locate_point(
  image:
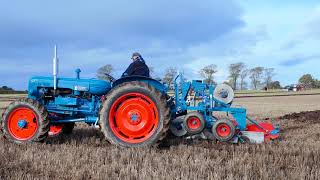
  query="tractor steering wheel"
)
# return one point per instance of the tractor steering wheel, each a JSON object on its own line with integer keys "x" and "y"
{"x": 111, "y": 78}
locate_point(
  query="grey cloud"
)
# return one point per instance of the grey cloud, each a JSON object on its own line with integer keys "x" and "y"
{"x": 298, "y": 60}
{"x": 116, "y": 24}
{"x": 163, "y": 31}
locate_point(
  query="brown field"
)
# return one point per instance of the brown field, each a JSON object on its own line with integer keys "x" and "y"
{"x": 86, "y": 155}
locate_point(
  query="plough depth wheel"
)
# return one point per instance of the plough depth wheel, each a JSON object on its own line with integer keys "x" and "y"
{"x": 223, "y": 130}
{"x": 194, "y": 123}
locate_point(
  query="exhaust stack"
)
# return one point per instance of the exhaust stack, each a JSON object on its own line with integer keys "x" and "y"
{"x": 55, "y": 68}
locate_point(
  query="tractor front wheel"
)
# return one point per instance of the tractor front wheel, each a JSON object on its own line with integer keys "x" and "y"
{"x": 25, "y": 121}
{"x": 135, "y": 114}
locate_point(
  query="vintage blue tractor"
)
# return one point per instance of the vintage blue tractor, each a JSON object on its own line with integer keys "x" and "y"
{"x": 131, "y": 111}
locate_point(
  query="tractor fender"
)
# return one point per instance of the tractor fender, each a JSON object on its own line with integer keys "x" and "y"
{"x": 152, "y": 82}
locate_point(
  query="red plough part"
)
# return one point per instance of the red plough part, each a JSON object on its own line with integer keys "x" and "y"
{"x": 55, "y": 130}
{"x": 268, "y": 130}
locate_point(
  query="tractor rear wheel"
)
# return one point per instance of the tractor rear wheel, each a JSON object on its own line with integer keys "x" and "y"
{"x": 25, "y": 121}
{"x": 135, "y": 114}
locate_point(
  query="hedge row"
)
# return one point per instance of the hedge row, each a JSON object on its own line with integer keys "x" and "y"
{"x": 12, "y": 92}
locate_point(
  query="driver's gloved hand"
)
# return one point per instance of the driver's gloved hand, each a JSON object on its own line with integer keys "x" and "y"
{"x": 124, "y": 75}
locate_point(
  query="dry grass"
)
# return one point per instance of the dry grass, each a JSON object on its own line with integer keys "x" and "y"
{"x": 274, "y": 92}
{"x": 5, "y": 99}
{"x": 278, "y": 106}
{"x": 85, "y": 155}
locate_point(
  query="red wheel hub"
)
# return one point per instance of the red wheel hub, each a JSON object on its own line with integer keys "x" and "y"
{"x": 223, "y": 130}
{"x": 22, "y": 123}
{"x": 194, "y": 123}
{"x": 55, "y": 130}
{"x": 133, "y": 118}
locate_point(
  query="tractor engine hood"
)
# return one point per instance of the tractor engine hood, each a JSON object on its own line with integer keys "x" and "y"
{"x": 93, "y": 86}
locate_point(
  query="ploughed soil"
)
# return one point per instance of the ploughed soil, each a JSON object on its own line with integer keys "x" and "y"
{"x": 307, "y": 117}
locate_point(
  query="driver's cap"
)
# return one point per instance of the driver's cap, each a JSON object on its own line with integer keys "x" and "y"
{"x": 136, "y": 54}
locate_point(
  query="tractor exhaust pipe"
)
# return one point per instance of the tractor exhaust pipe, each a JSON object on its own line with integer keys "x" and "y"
{"x": 55, "y": 68}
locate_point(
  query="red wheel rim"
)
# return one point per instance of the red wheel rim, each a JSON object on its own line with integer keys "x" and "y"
{"x": 55, "y": 129}
{"x": 194, "y": 123}
{"x": 133, "y": 118}
{"x": 223, "y": 130}
{"x": 23, "y": 123}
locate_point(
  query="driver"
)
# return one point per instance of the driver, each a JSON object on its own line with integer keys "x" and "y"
{"x": 138, "y": 67}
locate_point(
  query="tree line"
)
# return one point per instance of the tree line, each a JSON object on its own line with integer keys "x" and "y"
{"x": 259, "y": 77}
{"x": 9, "y": 90}
{"x": 239, "y": 74}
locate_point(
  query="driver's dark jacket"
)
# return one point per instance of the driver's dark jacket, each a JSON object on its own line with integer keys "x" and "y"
{"x": 137, "y": 68}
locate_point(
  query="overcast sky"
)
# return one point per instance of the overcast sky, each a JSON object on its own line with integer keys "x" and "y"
{"x": 284, "y": 35}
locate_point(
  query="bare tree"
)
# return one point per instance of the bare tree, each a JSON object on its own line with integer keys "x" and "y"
{"x": 235, "y": 71}
{"x": 105, "y": 72}
{"x": 208, "y": 73}
{"x": 256, "y": 76}
{"x": 243, "y": 75}
{"x": 169, "y": 76}
{"x": 268, "y": 75}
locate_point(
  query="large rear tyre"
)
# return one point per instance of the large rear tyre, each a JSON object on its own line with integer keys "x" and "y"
{"x": 25, "y": 121}
{"x": 135, "y": 115}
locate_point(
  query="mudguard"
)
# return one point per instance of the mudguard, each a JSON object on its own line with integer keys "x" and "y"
{"x": 152, "y": 82}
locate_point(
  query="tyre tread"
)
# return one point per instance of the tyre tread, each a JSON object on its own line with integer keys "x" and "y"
{"x": 161, "y": 101}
